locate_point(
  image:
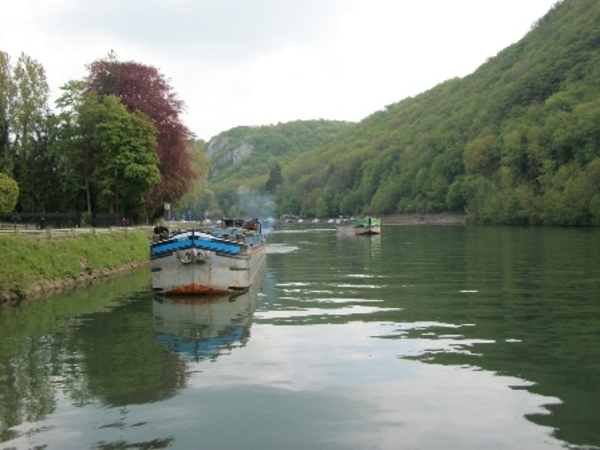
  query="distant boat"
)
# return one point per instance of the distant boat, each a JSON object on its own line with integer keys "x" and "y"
{"x": 365, "y": 226}
{"x": 216, "y": 260}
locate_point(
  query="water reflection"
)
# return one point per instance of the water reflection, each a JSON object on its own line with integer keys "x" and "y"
{"x": 516, "y": 306}
{"x": 65, "y": 358}
{"x": 455, "y": 338}
{"x": 203, "y": 329}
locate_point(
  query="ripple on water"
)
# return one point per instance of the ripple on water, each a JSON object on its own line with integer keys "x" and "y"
{"x": 280, "y": 248}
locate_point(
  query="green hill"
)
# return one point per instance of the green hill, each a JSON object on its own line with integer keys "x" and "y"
{"x": 252, "y": 158}
{"x": 517, "y": 141}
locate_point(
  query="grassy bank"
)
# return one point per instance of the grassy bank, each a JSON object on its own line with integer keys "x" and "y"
{"x": 31, "y": 266}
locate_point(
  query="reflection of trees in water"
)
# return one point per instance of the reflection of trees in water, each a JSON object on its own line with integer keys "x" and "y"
{"x": 120, "y": 371}
{"x": 27, "y": 393}
{"x": 64, "y": 345}
{"x": 533, "y": 317}
{"x": 98, "y": 345}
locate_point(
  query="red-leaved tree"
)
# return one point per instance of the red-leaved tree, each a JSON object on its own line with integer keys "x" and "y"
{"x": 144, "y": 88}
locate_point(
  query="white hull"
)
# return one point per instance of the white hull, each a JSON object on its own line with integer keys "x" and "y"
{"x": 198, "y": 263}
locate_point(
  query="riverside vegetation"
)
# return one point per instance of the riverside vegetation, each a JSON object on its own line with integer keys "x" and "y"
{"x": 32, "y": 267}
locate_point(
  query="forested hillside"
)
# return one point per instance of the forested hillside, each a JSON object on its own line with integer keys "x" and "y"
{"x": 516, "y": 142}
{"x": 252, "y": 159}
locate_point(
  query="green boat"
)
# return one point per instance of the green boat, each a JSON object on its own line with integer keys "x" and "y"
{"x": 365, "y": 226}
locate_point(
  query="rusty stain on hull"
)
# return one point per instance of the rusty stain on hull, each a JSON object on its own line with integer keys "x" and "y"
{"x": 198, "y": 300}
{"x": 195, "y": 289}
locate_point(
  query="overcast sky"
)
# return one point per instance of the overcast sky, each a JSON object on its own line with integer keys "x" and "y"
{"x": 261, "y": 62}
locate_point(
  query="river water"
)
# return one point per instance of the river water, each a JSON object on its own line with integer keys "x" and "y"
{"x": 425, "y": 337}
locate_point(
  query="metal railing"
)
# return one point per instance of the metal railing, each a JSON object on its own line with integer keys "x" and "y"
{"x": 51, "y": 233}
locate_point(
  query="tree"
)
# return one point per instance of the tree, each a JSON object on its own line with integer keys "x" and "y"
{"x": 454, "y": 197}
{"x": 78, "y": 120}
{"x": 9, "y": 193}
{"x": 67, "y": 148}
{"x": 144, "y": 88}
{"x": 112, "y": 151}
{"x": 127, "y": 160}
{"x": 44, "y": 186}
{"x": 480, "y": 155}
{"x": 578, "y": 137}
{"x": 6, "y": 99}
{"x": 23, "y": 110}
{"x": 30, "y": 100}
{"x": 274, "y": 180}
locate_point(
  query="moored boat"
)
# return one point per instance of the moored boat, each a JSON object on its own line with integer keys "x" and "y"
{"x": 216, "y": 260}
{"x": 365, "y": 226}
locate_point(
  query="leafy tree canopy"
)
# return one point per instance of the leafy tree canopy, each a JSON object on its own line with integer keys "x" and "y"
{"x": 9, "y": 193}
{"x": 127, "y": 164}
{"x": 143, "y": 88}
